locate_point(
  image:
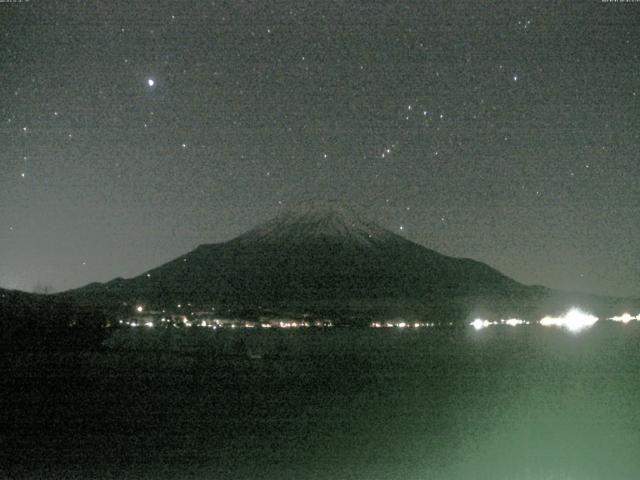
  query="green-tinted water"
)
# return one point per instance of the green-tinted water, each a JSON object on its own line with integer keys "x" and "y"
{"x": 501, "y": 403}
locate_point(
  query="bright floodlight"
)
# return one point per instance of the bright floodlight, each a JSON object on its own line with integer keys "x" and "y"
{"x": 479, "y": 324}
{"x": 573, "y": 320}
{"x": 624, "y": 318}
{"x": 513, "y": 322}
{"x": 139, "y": 309}
{"x": 151, "y": 82}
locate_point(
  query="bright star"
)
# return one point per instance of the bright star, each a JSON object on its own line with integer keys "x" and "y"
{"x": 151, "y": 82}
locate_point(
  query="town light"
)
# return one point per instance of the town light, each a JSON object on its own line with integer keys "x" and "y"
{"x": 574, "y": 320}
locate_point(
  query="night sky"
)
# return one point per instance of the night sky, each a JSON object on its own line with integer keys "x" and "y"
{"x": 508, "y": 132}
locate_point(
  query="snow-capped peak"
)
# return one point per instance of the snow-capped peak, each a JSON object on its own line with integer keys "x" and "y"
{"x": 312, "y": 223}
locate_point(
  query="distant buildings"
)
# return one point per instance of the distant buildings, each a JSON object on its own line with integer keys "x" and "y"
{"x": 206, "y": 319}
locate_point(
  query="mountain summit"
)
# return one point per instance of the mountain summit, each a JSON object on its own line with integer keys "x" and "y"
{"x": 310, "y": 224}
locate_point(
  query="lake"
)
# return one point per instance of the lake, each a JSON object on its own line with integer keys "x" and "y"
{"x": 524, "y": 402}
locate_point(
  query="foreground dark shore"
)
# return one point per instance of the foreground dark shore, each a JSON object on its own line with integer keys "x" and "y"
{"x": 523, "y": 402}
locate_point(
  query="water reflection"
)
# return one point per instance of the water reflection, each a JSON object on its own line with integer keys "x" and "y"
{"x": 322, "y": 404}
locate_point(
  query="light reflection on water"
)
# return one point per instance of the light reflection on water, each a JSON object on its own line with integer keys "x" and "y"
{"x": 504, "y": 403}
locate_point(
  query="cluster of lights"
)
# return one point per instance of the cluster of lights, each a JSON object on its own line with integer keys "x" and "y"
{"x": 184, "y": 321}
{"x": 136, "y": 324}
{"x": 401, "y": 324}
{"x": 514, "y": 322}
{"x": 479, "y": 323}
{"x": 294, "y": 324}
{"x": 625, "y": 318}
{"x": 574, "y": 320}
{"x": 298, "y": 324}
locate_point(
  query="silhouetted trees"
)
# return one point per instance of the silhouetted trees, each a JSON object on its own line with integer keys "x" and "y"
{"x": 44, "y": 322}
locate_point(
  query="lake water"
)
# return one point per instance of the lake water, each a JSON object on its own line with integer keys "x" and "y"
{"x": 501, "y": 403}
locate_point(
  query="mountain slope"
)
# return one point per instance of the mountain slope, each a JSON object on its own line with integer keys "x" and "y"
{"x": 314, "y": 257}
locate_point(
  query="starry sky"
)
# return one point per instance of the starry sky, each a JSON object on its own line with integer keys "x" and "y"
{"x": 507, "y": 132}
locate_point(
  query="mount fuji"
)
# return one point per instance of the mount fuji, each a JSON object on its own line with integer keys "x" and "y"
{"x": 327, "y": 261}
